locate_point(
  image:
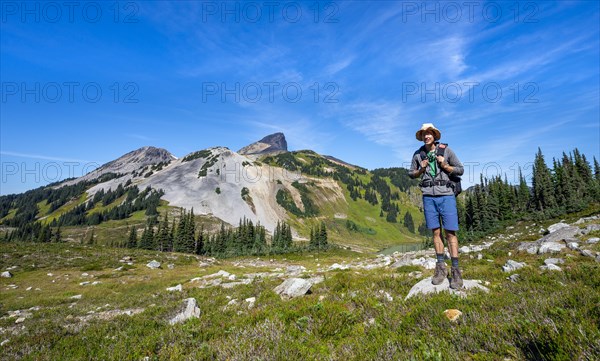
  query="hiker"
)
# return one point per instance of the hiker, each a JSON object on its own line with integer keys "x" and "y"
{"x": 439, "y": 167}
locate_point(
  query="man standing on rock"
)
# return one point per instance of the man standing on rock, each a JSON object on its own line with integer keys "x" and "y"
{"x": 434, "y": 162}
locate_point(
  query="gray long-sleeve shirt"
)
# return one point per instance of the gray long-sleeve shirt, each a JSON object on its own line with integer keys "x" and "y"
{"x": 436, "y": 190}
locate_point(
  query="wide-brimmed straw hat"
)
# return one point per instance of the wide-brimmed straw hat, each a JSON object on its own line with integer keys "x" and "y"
{"x": 428, "y": 126}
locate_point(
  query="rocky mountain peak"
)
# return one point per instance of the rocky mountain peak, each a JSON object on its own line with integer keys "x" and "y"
{"x": 271, "y": 143}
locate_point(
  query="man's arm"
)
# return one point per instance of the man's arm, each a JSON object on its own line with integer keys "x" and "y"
{"x": 451, "y": 164}
{"x": 417, "y": 168}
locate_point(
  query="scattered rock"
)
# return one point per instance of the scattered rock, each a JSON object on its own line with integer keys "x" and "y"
{"x": 425, "y": 287}
{"x": 415, "y": 274}
{"x": 590, "y": 228}
{"x": 550, "y": 247}
{"x": 250, "y": 301}
{"x": 170, "y": 266}
{"x": 573, "y": 246}
{"x": 191, "y": 310}
{"x": 337, "y": 266}
{"x": 514, "y": 277}
{"x": 479, "y": 256}
{"x": 3, "y": 342}
{"x": 512, "y": 266}
{"x": 554, "y": 261}
{"x": 559, "y": 235}
{"x": 427, "y": 263}
{"x": 84, "y": 283}
{"x": 386, "y": 295}
{"x": 555, "y": 227}
{"x": 295, "y": 287}
{"x": 551, "y": 267}
{"x": 464, "y": 249}
{"x": 452, "y": 314}
{"x": 586, "y": 219}
{"x": 20, "y": 320}
{"x": 6, "y": 274}
{"x": 246, "y": 281}
{"x": 593, "y": 240}
{"x": 529, "y": 247}
{"x": 153, "y": 264}
{"x": 586, "y": 253}
{"x": 295, "y": 270}
{"x": 178, "y": 288}
{"x": 76, "y": 297}
{"x": 221, "y": 273}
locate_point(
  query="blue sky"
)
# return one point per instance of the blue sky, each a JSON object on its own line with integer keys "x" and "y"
{"x": 83, "y": 84}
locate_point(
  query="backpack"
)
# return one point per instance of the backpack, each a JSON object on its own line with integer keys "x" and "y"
{"x": 455, "y": 180}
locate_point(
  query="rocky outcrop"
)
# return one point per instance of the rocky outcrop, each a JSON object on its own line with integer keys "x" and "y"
{"x": 270, "y": 144}
{"x": 191, "y": 310}
{"x": 425, "y": 287}
{"x": 296, "y": 287}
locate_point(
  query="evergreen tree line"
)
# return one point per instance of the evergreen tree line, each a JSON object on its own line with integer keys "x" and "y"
{"x": 25, "y": 204}
{"x": 570, "y": 186}
{"x": 33, "y": 232}
{"x": 318, "y": 237}
{"x": 135, "y": 201}
{"x": 247, "y": 239}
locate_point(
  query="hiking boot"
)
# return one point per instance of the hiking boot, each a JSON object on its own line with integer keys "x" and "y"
{"x": 440, "y": 273}
{"x": 456, "y": 281}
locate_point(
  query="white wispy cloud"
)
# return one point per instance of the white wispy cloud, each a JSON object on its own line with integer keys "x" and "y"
{"x": 43, "y": 157}
{"x": 338, "y": 66}
{"x": 139, "y": 136}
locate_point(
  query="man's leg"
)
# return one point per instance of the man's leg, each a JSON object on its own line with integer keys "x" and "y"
{"x": 456, "y": 281}
{"x": 452, "y": 241}
{"x": 441, "y": 272}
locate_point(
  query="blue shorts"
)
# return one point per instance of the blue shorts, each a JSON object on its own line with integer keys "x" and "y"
{"x": 444, "y": 206}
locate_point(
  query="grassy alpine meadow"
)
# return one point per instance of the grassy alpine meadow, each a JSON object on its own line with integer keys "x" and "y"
{"x": 70, "y": 301}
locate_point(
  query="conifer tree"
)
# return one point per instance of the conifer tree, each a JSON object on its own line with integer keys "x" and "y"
{"x": 543, "y": 190}
{"x": 58, "y": 235}
{"x": 408, "y": 222}
{"x": 147, "y": 240}
{"x": 132, "y": 241}
{"x": 163, "y": 235}
{"x": 523, "y": 193}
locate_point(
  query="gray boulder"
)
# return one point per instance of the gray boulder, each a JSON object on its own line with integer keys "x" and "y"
{"x": 6, "y": 274}
{"x": 177, "y": 288}
{"x": 426, "y": 287}
{"x": 514, "y": 277}
{"x": 593, "y": 240}
{"x": 559, "y": 234}
{"x": 590, "y": 227}
{"x": 295, "y": 287}
{"x": 554, "y": 261}
{"x": 555, "y": 227}
{"x": 551, "y": 267}
{"x": 586, "y": 253}
{"x": 191, "y": 310}
{"x": 550, "y": 247}
{"x": 153, "y": 264}
{"x": 512, "y": 266}
{"x": 529, "y": 247}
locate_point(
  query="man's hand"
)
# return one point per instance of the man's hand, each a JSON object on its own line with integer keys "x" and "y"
{"x": 424, "y": 163}
{"x": 440, "y": 159}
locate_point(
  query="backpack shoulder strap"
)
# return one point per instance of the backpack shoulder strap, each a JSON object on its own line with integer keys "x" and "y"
{"x": 441, "y": 149}
{"x": 422, "y": 153}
